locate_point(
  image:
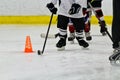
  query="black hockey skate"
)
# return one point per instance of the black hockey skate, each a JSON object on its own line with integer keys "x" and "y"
{"x": 61, "y": 43}
{"x": 103, "y": 32}
{"x": 82, "y": 42}
{"x": 115, "y": 57}
{"x": 88, "y": 36}
{"x": 103, "y": 28}
{"x": 71, "y": 38}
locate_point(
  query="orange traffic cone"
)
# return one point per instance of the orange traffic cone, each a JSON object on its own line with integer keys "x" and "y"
{"x": 28, "y": 45}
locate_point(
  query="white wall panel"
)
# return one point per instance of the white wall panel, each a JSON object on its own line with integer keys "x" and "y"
{"x": 36, "y": 7}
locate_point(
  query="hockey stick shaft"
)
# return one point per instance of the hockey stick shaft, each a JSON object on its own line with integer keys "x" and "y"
{"x": 46, "y": 37}
{"x": 99, "y": 20}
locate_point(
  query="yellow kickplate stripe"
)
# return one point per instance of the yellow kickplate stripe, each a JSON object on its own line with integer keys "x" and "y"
{"x": 108, "y": 20}
{"x": 26, "y": 19}
{"x": 40, "y": 19}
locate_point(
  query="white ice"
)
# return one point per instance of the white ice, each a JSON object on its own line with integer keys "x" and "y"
{"x": 75, "y": 63}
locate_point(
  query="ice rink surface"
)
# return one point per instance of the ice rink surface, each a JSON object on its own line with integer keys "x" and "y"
{"x": 75, "y": 63}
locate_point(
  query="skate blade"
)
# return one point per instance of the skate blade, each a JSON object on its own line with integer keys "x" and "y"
{"x": 115, "y": 63}
{"x": 71, "y": 42}
{"x": 89, "y": 38}
{"x": 61, "y": 49}
{"x": 104, "y": 34}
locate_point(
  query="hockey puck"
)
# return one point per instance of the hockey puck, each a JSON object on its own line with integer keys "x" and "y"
{"x": 39, "y": 52}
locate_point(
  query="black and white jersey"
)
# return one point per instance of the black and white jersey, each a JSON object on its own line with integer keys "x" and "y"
{"x": 65, "y": 5}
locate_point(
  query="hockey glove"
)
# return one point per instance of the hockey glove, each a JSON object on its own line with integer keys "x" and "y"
{"x": 84, "y": 11}
{"x": 75, "y": 8}
{"x": 52, "y": 8}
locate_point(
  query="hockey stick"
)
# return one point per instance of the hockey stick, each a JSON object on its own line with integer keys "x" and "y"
{"x": 42, "y": 35}
{"x": 41, "y": 52}
{"x": 53, "y": 36}
{"x": 99, "y": 20}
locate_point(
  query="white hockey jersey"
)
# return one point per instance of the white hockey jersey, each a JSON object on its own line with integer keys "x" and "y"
{"x": 65, "y": 6}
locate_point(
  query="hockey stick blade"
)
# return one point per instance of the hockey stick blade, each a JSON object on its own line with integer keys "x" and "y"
{"x": 42, "y": 35}
{"x": 39, "y": 52}
{"x": 115, "y": 63}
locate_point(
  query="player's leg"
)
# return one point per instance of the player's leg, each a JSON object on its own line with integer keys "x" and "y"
{"x": 71, "y": 32}
{"x": 99, "y": 13}
{"x": 62, "y": 26}
{"x": 116, "y": 31}
{"x": 79, "y": 28}
{"x": 87, "y": 25}
{"x": 102, "y": 24}
{"x": 116, "y": 53}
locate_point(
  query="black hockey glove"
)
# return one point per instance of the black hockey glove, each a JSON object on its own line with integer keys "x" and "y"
{"x": 84, "y": 11}
{"x": 75, "y": 8}
{"x": 52, "y": 8}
